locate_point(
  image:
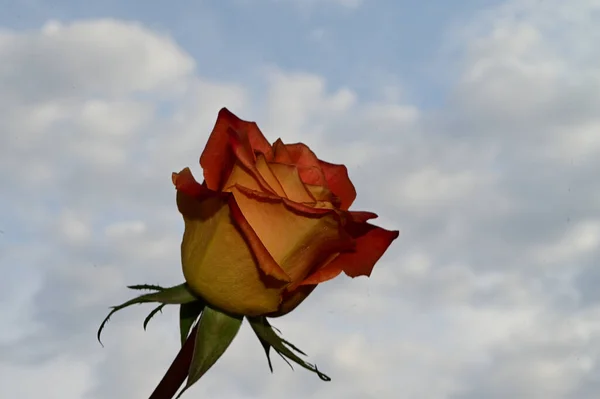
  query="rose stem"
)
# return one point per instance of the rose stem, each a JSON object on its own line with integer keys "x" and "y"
{"x": 178, "y": 372}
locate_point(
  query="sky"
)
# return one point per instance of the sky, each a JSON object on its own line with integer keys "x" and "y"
{"x": 470, "y": 126}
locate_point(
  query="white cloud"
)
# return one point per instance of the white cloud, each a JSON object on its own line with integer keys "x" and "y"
{"x": 578, "y": 240}
{"x": 58, "y": 61}
{"x": 310, "y": 101}
{"x": 73, "y": 227}
{"x": 429, "y": 185}
{"x": 122, "y": 230}
{"x": 62, "y": 378}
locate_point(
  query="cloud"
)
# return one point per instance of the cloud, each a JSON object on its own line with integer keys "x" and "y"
{"x": 490, "y": 290}
{"x": 69, "y": 54}
{"x": 50, "y": 376}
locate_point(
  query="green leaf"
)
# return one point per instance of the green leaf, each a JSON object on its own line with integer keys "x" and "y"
{"x": 151, "y": 314}
{"x": 265, "y": 334}
{"x": 215, "y": 332}
{"x": 173, "y": 295}
{"x": 188, "y": 313}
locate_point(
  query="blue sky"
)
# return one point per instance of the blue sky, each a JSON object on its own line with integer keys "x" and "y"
{"x": 470, "y": 126}
{"x": 356, "y": 46}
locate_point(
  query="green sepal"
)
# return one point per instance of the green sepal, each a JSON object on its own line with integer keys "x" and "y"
{"x": 216, "y": 330}
{"x": 151, "y": 314}
{"x": 176, "y": 295}
{"x": 149, "y": 287}
{"x": 269, "y": 339}
{"x": 188, "y": 314}
{"x": 267, "y": 347}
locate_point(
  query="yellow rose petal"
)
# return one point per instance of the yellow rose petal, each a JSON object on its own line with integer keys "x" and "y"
{"x": 217, "y": 262}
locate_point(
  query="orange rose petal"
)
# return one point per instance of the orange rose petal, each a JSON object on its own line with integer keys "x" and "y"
{"x": 266, "y": 172}
{"x": 303, "y": 210}
{"x": 184, "y": 181}
{"x": 371, "y": 244}
{"x": 339, "y": 183}
{"x": 243, "y": 152}
{"x": 289, "y": 178}
{"x": 324, "y": 196}
{"x": 217, "y": 159}
{"x": 312, "y": 175}
{"x": 308, "y": 164}
{"x": 265, "y": 260}
{"x": 326, "y": 273}
{"x": 298, "y": 240}
{"x": 319, "y": 193}
{"x": 361, "y": 216}
{"x": 302, "y": 155}
{"x": 348, "y": 245}
{"x": 313, "y": 209}
{"x": 291, "y": 299}
{"x": 280, "y": 153}
{"x": 242, "y": 176}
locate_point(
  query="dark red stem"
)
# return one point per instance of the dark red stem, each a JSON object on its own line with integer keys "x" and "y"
{"x": 178, "y": 372}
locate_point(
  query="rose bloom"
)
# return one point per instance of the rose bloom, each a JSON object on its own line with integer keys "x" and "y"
{"x": 269, "y": 222}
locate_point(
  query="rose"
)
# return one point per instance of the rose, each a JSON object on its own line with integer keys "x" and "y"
{"x": 269, "y": 222}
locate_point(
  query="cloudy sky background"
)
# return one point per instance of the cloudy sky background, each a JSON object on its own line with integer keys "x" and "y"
{"x": 471, "y": 126}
